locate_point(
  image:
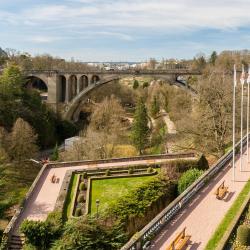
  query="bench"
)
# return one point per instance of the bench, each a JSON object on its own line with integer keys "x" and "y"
{"x": 53, "y": 178}
{"x": 180, "y": 241}
{"x": 221, "y": 191}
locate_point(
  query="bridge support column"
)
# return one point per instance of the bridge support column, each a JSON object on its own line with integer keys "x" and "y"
{"x": 78, "y": 85}
{"x": 67, "y": 89}
{"x": 53, "y": 91}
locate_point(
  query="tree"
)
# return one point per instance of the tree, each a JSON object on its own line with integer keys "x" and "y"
{"x": 22, "y": 141}
{"x": 213, "y": 58}
{"x": 140, "y": 129}
{"x": 89, "y": 233}
{"x": 55, "y": 154}
{"x": 155, "y": 107}
{"x": 208, "y": 126}
{"x": 135, "y": 84}
{"x": 12, "y": 80}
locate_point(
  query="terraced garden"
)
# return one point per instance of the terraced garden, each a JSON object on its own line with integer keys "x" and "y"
{"x": 107, "y": 187}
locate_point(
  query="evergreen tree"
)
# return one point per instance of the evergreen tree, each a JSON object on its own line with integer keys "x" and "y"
{"x": 22, "y": 141}
{"x": 135, "y": 84}
{"x": 155, "y": 107}
{"x": 55, "y": 154}
{"x": 140, "y": 129}
{"x": 213, "y": 57}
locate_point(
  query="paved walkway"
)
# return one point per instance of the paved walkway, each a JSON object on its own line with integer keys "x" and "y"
{"x": 202, "y": 216}
{"x": 45, "y": 194}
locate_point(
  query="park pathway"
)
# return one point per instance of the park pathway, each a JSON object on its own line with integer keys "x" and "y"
{"x": 204, "y": 213}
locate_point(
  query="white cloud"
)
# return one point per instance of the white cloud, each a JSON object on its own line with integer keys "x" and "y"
{"x": 216, "y": 14}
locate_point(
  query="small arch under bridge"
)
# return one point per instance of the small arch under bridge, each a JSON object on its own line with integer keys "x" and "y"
{"x": 67, "y": 89}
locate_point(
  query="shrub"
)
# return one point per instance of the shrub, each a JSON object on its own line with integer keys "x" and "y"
{"x": 202, "y": 163}
{"x": 145, "y": 84}
{"x": 130, "y": 171}
{"x": 85, "y": 175}
{"x": 107, "y": 172}
{"x": 78, "y": 212}
{"x": 188, "y": 178}
{"x": 82, "y": 186}
{"x": 243, "y": 235}
{"x": 37, "y": 233}
{"x": 150, "y": 170}
{"x": 56, "y": 224}
{"x": 135, "y": 84}
{"x": 42, "y": 233}
{"x": 80, "y": 198}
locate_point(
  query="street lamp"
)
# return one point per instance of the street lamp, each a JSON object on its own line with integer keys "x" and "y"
{"x": 97, "y": 206}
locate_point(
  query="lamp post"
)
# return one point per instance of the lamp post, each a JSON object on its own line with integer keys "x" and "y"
{"x": 97, "y": 206}
{"x": 242, "y": 81}
{"x": 234, "y": 90}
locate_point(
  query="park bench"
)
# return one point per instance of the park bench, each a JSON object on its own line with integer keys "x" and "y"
{"x": 221, "y": 191}
{"x": 53, "y": 178}
{"x": 180, "y": 241}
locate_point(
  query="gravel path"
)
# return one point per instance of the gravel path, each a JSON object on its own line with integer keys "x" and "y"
{"x": 202, "y": 216}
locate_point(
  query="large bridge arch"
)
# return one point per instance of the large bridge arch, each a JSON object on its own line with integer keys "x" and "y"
{"x": 36, "y": 82}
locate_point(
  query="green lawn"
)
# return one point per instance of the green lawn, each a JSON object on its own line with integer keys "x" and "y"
{"x": 108, "y": 190}
{"x": 69, "y": 198}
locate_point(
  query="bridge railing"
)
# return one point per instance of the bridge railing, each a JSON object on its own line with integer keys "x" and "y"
{"x": 152, "y": 228}
{"x": 127, "y": 71}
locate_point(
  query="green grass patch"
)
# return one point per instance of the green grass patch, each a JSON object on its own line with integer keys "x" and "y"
{"x": 109, "y": 190}
{"x": 69, "y": 202}
{"x": 223, "y": 226}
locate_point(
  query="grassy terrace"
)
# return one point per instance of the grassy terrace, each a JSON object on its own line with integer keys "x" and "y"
{"x": 108, "y": 190}
{"x": 223, "y": 226}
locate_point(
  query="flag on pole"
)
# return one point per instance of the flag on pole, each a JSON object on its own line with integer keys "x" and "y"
{"x": 235, "y": 76}
{"x": 242, "y": 78}
{"x": 248, "y": 77}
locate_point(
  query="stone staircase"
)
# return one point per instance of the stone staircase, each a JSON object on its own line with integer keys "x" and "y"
{"x": 16, "y": 242}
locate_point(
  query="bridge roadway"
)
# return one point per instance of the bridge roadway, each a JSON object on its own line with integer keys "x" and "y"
{"x": 182, "y": 71}
{"x": 202, "y": 216}
{"x": 45, "y": 194}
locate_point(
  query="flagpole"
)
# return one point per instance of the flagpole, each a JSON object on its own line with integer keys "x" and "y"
{"x": 234, "y": 90}
{"x": 248, "y": 82}
{"x": 242, "y": 80}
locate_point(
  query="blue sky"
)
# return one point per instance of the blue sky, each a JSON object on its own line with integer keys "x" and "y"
{"x": 124, "y": 30}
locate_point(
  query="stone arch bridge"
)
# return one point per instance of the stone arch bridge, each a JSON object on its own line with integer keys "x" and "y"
{"x": 67, "y": 90}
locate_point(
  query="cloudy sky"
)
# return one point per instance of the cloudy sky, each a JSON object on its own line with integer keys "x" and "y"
{"x": 124, "y": 30}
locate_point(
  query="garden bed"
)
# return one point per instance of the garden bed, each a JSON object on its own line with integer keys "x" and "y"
{"x": 82, "y": 195}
